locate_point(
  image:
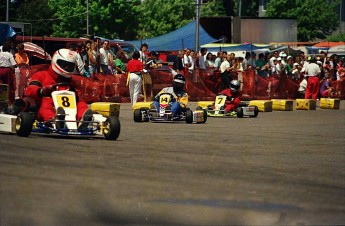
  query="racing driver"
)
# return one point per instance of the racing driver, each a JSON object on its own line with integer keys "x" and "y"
{"x": 179, "y": 103}
{"x": 233, "y": 97}
{"x": 40, "y": 86}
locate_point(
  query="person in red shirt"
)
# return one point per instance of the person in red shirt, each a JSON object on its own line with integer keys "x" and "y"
{"x": 233, "y": 99}
{"x": 40, "y": 86}
{"x": 135, "y": 70}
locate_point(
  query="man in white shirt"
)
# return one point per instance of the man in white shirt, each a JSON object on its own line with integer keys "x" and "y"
{"x": 202, "y": 57}
{"x": 104, "y": 57}
{"x": 188, "y": 61}
{"x": 313, "y": 70}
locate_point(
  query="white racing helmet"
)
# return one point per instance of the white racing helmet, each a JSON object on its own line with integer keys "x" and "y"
{"x": 64, "y": 62}
{"x": 235, "y": 85}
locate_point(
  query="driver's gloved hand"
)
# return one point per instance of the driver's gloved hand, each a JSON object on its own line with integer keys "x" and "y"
{"x": 46, "y": 91}
{"x": 228, "y": 98}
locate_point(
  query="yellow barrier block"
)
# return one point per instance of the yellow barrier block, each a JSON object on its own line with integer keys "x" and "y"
{"x": 205, "y": 104}
{"x": 329, "y": 103}
{"x": 106, "y": 108}
{"x": 282, "y": 105}
{"x": 139, "y": 105}
{"x": 305, "y": 104}
{"x": 263, "y": 105}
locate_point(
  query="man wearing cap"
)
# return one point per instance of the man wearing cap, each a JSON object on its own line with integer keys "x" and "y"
{"x": 313, "y": 71}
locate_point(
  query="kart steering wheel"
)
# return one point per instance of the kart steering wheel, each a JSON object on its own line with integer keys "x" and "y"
{"x": 71, "y": 87}
{"x": 172, "y": 97}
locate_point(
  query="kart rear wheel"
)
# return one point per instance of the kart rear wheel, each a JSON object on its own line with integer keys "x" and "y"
{"x": 24, "y": 124}
{"x": 112, "y": 128}
{"x": 239, "y": 112}
{"x": 256, "y": 112}
{"x": 189, "y": 116}
{"x": 138, "y": 116}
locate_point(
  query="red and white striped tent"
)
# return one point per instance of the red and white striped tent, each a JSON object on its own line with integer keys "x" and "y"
{"x": 36, "y": 50}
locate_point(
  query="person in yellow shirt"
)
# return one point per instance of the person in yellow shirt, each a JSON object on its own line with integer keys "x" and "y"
{"x": 22, "y": 61}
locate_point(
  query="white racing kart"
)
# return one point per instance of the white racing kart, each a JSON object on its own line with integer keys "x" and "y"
{"x": 165, "y": 115}
{"x": 65, "y": 123}
{"x": 216, "y": 108}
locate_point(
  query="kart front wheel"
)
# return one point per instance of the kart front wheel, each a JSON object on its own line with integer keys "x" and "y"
{"x": 189, "y": 116}
{"x": 24, "y": 124}
{"x": 138, "y": 116}
{"x": 112, "y": 128}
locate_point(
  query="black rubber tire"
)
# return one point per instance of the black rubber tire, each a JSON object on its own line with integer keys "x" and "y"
{"x": 138, "y": 117}
{"x": 239, "y": 112}
{"x": 205, "y": 116}
{"x": 113, "y": 128}
{"x": 189, "y": 116}
{"x": 24, "y": 123}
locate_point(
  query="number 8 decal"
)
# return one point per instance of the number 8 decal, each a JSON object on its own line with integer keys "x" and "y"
{"x": 65, "y": 102}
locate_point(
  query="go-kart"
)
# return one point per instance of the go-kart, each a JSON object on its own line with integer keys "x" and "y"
{"x": 164, "y": 114}
{"x": 216, "y": 109}
{"x": 65, "y": 122}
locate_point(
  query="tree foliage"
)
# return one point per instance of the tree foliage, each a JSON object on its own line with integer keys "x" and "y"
{"x": 315, "y": 18}
{"x": 159, "y": 17}
{"x": 107, "y": 18}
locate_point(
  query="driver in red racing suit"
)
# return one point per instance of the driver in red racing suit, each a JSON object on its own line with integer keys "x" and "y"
{"x": 233, "y": 99}
{"x": 63, "y": 65}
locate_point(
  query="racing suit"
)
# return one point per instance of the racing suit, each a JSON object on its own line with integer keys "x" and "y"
{"x": 43, "y": 79}
{"x": 233, "y": 99}
{"x": 178, "y": 104}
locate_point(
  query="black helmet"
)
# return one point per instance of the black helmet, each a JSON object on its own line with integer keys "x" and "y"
{"x": 235, "y": 85}
{"x": 179, "y": 81}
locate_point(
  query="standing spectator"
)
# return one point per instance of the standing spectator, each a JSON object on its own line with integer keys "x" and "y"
{"x": 178, "y": 63}
{"x": 262, "y": 66}
{"x": 119, "y": 62}
{"x": 202, "y": 65}
{"x": 340, "y": 70}
{"x": 104, "y": 57}
{"x": 188, "y": 60}
{"x": 296, "y": 72}
{"x": 218, "y": 60}
{"x": 143, "y": 50}
{"x": 22, "y": 61}
{"x": 135, "y": 68}
{"x": 252, "y": 61}
{"x": 289, "y": 66}
{"x": 209, "y": 62}
{"x": 7, "y": 64}
{"x": 225, "y": 72}
{"x": 274, "y": 57}
{"x": 313, "y": 71}
{"x": 85, "y": 58}
{"x": 91, "y": 50}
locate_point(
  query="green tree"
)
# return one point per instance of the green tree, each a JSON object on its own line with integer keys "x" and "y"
{"x": 107, "y": 18}
{"x": 315, "y": 18}
{"x": 159, "y": 17}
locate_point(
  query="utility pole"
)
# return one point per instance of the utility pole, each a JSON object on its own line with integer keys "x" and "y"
{"x": 7, "y": 10}
{"x": 197, "y": 23}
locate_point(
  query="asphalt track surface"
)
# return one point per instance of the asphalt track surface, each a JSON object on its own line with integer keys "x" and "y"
{"x": 281, "y": 168}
